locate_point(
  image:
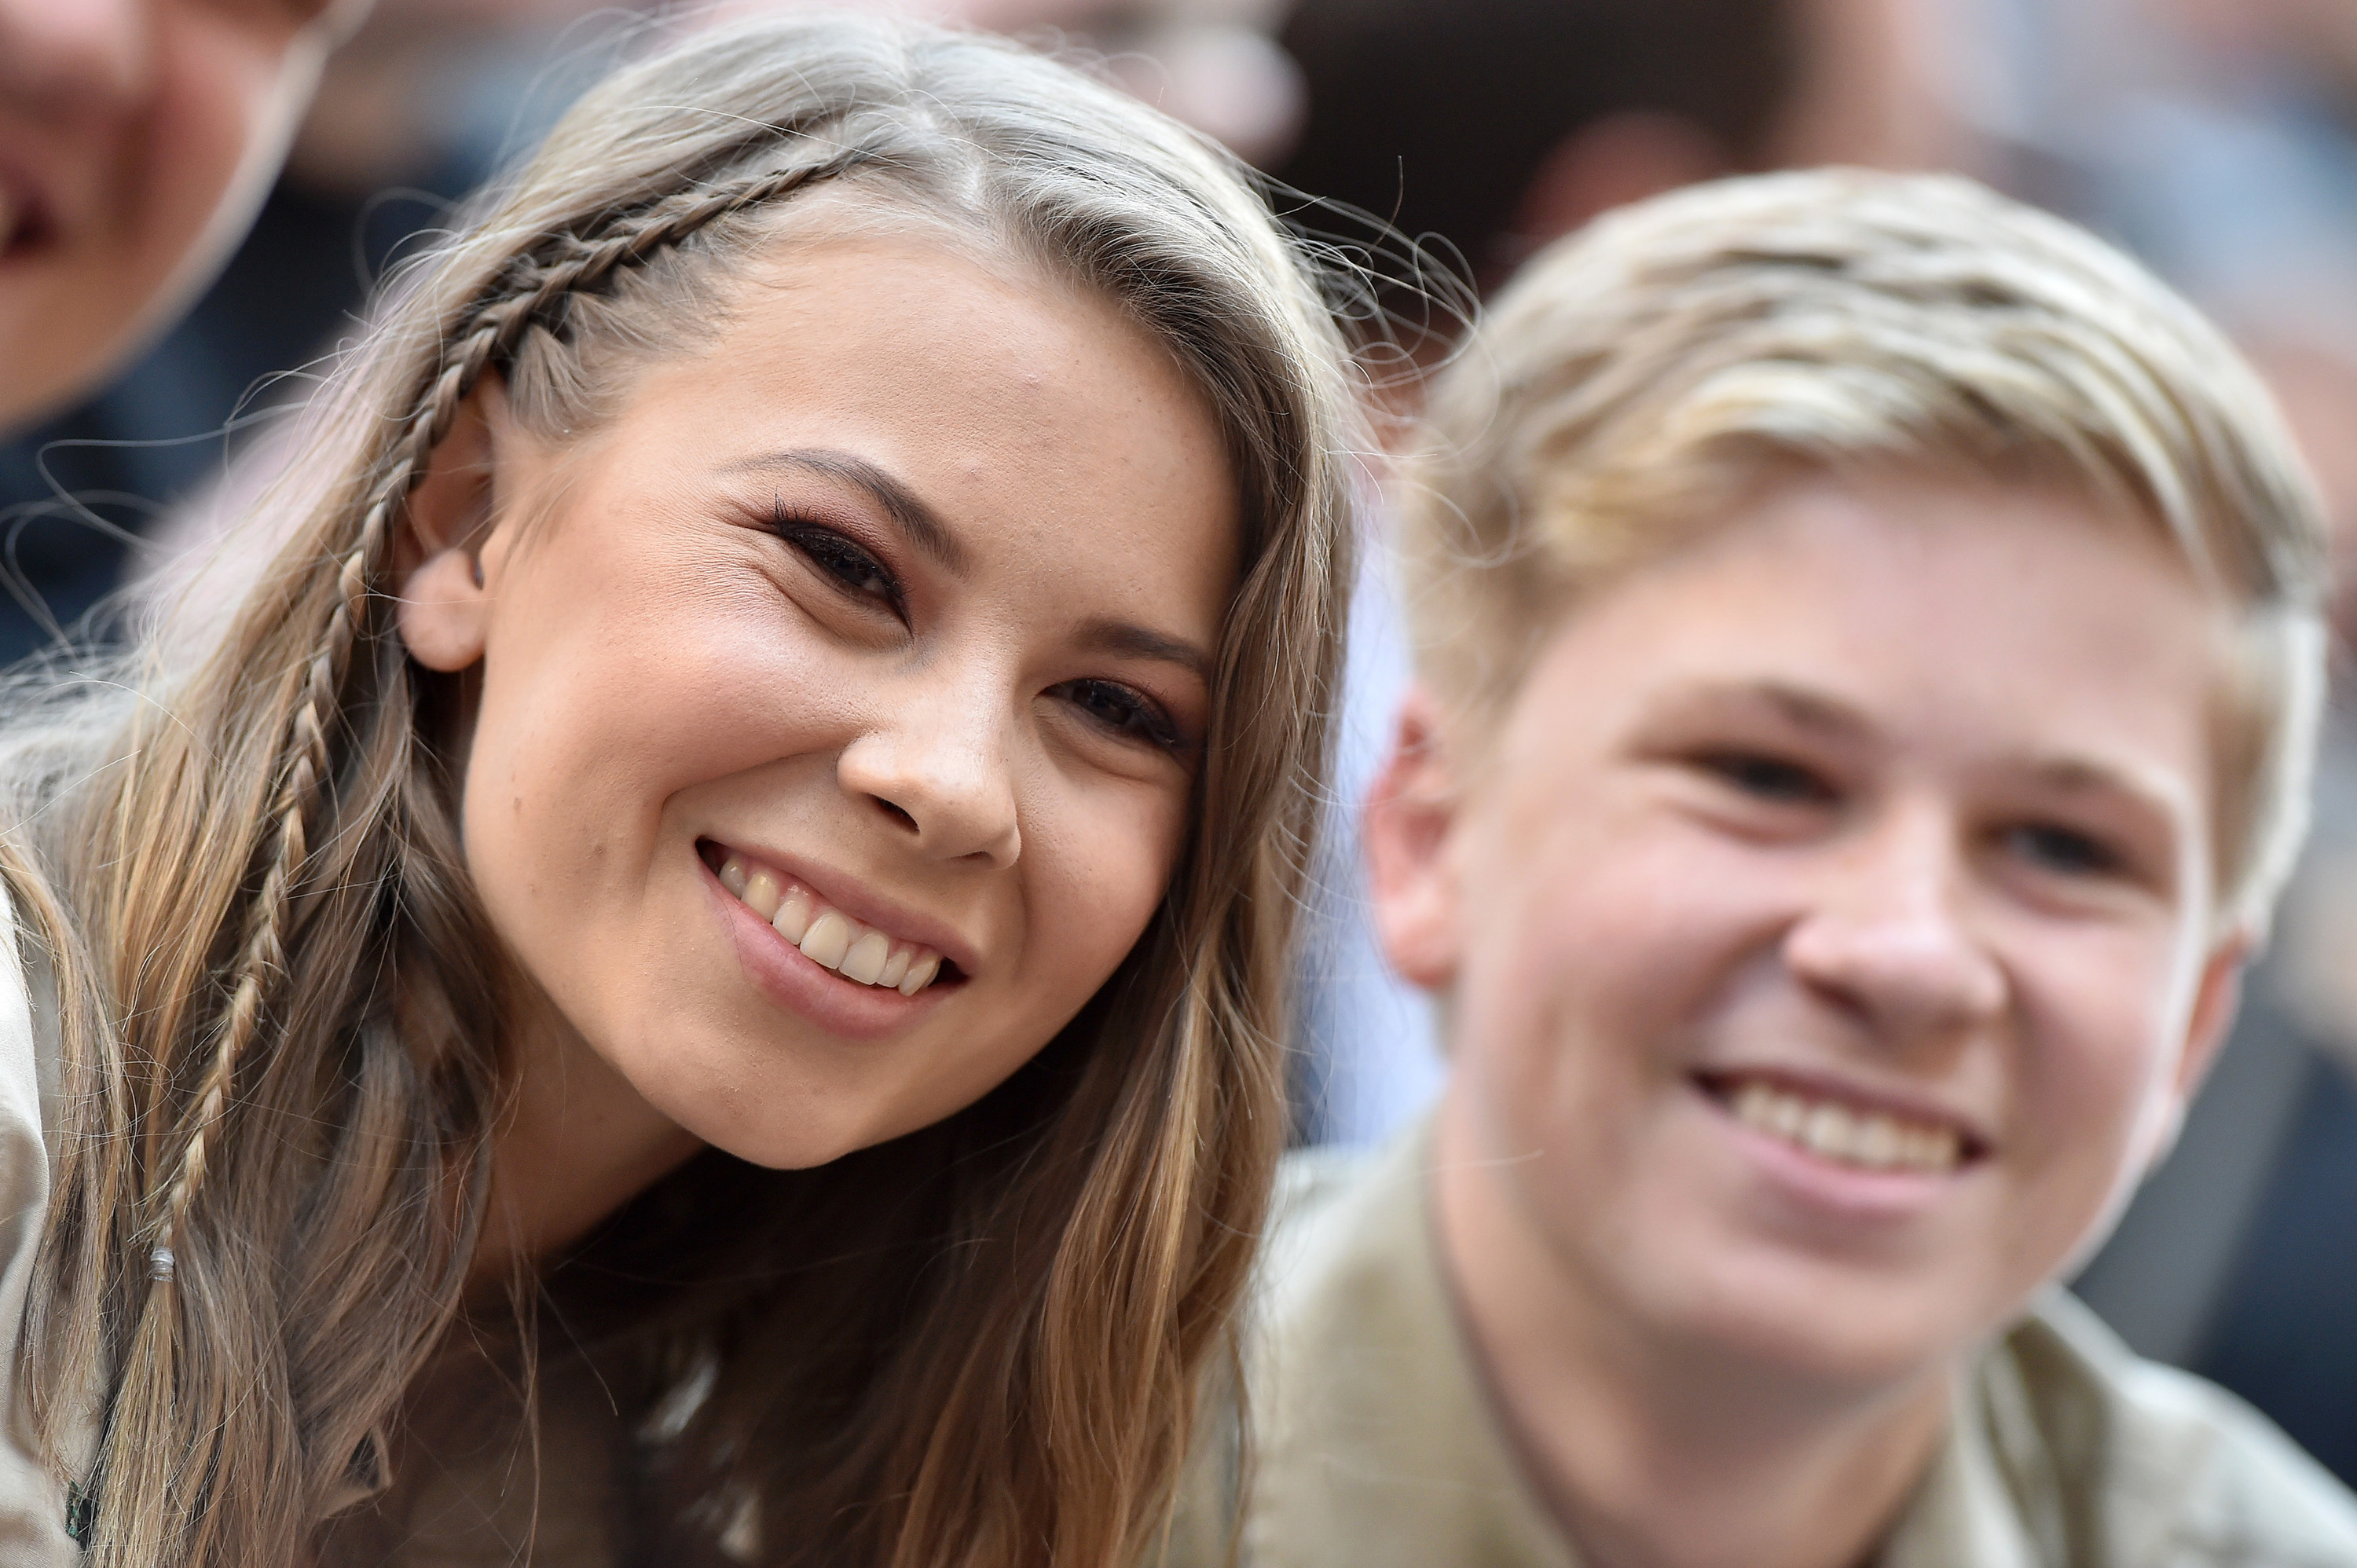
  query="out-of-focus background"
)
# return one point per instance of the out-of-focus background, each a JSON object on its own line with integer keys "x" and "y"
{"x": 2217, "y": 139}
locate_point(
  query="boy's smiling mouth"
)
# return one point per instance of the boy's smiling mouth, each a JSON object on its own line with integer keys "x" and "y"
{"x": 1840, "y": 1129}
{"x": 855, "y": 951}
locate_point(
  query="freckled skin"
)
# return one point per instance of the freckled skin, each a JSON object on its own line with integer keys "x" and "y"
{"x": 661, "y": 667}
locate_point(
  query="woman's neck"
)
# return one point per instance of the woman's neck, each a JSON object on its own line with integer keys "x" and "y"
{"x": 1652, "y": 1455}
{"x": 576, "y": 1144}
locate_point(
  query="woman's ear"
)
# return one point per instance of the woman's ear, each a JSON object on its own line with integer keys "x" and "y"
{"x": 438, "y": 558}
{"x": 1405, "y": 832}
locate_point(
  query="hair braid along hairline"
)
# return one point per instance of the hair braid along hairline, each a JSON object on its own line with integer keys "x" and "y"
{"x": 496, "y": 324}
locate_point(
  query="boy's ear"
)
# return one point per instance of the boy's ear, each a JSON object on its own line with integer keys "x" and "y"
{"x": 438, "y": 557}
{"x": 1405, "y": 832}
{"x": 2215, "y": 1004}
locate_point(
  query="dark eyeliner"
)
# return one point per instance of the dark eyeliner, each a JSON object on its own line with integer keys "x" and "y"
{"x": 1152, "y": 725}
{"x": 837, "y": 555}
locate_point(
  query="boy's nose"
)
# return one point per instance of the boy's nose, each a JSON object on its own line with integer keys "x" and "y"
{"x": 75, "y": 56}
{"x": 939, "y": 772}
{"x": 1886, "y": 938}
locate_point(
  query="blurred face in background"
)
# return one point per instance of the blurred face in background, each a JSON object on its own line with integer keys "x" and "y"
{"x": 136, "y": 138}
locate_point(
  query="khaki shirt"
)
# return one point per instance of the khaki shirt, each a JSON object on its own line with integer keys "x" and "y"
{"x": 1374, "y": 1446}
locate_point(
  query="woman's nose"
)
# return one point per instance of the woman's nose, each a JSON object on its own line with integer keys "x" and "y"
{"x": 941, "y": 773}
{"x": 71, "y": 57}
{"x": 1888, "y": 938}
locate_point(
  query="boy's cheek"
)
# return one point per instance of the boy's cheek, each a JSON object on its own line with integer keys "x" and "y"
{"x": 2090, "y": 1105}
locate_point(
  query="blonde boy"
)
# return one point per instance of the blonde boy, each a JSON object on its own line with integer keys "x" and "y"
{"x": 1868, "y": 658}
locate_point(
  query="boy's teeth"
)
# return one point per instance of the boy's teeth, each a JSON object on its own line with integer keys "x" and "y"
{"x": 830, "y": 937}
{"x": 1872, "y": 1139}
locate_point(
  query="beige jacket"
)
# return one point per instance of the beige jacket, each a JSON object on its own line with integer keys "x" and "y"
{"x": 1373, "y": 1446}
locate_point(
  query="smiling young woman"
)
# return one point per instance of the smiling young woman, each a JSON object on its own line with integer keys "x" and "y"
{"x": 727, "y": 831}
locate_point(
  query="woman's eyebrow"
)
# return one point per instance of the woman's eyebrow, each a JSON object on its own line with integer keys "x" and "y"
{"x": 1143, "y": 642}
{"x": 919, "y": 522}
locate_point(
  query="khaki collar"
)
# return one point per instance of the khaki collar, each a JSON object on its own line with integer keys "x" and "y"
{"x": 1376, "y": 1441}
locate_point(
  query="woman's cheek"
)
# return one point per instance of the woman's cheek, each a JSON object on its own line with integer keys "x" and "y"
{"x": 1106, "y": 875}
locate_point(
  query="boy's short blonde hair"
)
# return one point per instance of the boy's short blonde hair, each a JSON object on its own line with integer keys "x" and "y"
{"x": 1638, "y": 380}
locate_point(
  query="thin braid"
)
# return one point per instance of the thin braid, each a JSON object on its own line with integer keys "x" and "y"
{"x": 529, "y": 290}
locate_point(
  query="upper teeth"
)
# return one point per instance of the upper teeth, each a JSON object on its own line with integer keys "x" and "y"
{"x": 1871, "y": 1138}
{"x": 826, "y": 935}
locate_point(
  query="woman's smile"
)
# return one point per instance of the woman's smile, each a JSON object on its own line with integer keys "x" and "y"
{"x": 848, "y": 977}
{"x": 822, "y": 931}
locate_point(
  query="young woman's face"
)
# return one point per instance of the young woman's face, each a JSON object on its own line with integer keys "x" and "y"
{"x": 1830, "y": 934}
{"x": 886, "y": 620}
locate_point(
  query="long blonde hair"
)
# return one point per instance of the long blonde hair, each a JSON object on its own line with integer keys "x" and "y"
{"x": 279, "y": 993}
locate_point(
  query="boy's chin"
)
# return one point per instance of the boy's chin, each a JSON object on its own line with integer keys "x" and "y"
{"x": 1843, "y": 1327}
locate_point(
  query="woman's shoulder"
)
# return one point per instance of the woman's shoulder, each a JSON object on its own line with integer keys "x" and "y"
{"x": 2174, "y": 1468}
{"x": 32, "y": 1497}
{"x": 28, "y": 1040}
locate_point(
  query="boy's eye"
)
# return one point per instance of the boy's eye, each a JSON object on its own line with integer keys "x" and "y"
{"x": 2064, "y": 850}
{"x": 849, "y": 565}
{"x": 1766, "y": 778}
{"x": 1129, "y": 713}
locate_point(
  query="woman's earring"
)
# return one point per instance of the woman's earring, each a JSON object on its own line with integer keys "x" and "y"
{"x": 478, "y": 570}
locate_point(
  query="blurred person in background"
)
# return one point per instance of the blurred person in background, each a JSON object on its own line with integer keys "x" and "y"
{"x": 1496, "y": 126}
{"x": 136, "y": 138}
{"x": 1492, "y": 125}
{"x": 415, "y": 108}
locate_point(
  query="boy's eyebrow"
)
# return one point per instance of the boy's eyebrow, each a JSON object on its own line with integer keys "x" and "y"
{"x": 919, "y": 522}
{"x": 1807, "y": 709}
{"x": 2083, "y": 775}
{"x": 1143, "y": 642}
{"x": 2071, "y": 773}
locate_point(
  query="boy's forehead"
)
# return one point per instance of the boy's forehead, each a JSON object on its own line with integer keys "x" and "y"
{"x": 1949, "y": 612}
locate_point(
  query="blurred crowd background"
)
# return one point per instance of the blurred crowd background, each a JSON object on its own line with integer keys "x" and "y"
{"x": 2217, "y": 139}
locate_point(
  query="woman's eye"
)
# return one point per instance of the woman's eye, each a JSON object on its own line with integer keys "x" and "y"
{"x": 2064, "y": 850}
{"x": 851, "y": 567}
{"x": 1766, "y": 778}
{"x": 1126, "y": 713}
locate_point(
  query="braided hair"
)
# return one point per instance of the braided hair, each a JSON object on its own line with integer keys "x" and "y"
{"x": 281, "y": 1003}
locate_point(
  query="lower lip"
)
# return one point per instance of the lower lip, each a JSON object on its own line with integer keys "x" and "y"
{"x": 23, "y": 239}
{"x": 809, "y": 989}
{"x": 1828, "y": 1187}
